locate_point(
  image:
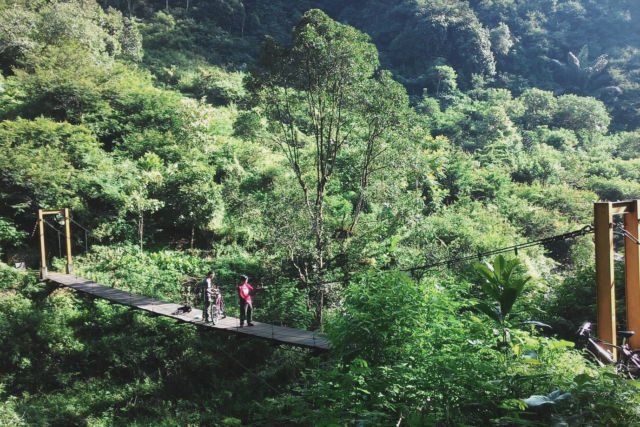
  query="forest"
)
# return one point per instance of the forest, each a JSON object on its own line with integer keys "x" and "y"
{"x": 347, "y": 156}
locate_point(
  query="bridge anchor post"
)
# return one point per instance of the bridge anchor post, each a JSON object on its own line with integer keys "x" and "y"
{"x": 43, "y": 255}
{"x": 67, "y": 232}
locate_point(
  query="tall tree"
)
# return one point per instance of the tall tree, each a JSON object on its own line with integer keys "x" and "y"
{"x": 139, "y": 201}
{"x": 325, "y": 97}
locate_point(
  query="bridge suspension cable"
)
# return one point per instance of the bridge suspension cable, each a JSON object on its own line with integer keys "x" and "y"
{"x": 87, "y": 232}
{"x": 587, "y": 229}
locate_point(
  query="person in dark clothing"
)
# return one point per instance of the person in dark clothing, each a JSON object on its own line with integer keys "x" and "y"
{"x": 245, "y": 293}
{"x": 207, "y": 291}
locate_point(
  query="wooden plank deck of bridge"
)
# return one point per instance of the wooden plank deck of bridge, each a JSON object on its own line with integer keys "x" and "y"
{"x": 281, "y": 334}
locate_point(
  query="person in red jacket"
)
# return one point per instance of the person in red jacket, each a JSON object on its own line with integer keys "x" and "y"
{"x": 245, "y": 292}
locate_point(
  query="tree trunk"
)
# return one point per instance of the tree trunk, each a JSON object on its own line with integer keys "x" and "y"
{"x": 319, "y": 306}
{"x": 320, "y": 248}
{"x": 193, "y": 232}
{"x": 141, "y": 229}
{"x": 243, "y": 21}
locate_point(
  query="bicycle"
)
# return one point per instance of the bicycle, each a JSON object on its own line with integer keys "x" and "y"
{"x": 628, "y": 363}
{"x": 217, "y": 308}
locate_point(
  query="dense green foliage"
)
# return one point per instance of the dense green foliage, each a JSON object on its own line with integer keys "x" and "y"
{"x": 360, "y": 141}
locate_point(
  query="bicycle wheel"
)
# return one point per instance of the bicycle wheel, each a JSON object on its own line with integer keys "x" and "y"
{"x": 215, "y": 314}
{"x": 632, "y": 366}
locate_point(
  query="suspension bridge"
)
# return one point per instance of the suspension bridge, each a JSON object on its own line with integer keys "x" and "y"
{"x": 603, "y": 228}
{"x": 278, "y": 334}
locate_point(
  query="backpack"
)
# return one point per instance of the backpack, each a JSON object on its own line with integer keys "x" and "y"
{"x": 182, "y": 310}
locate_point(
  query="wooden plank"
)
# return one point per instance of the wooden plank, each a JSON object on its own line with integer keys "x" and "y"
{"x": 623, "y": 207}
{"x": 53, "y": 212}
{"x": 619, "y": 210}
{"x": 627, "y": 204}
{"x": 606, "y": 308}
{"x": 632, "y": 274}
{"x": 280, "y": 334}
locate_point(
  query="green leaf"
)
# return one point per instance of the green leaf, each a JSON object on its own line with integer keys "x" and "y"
{"x": 491, "y": 311}
{"x": 537, "y": 400}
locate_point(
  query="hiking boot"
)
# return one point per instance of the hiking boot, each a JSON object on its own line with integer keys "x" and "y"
{"x": 249, "y": 324}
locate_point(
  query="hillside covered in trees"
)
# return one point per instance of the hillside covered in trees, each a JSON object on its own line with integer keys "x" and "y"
{"x": 344, "y": 155}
